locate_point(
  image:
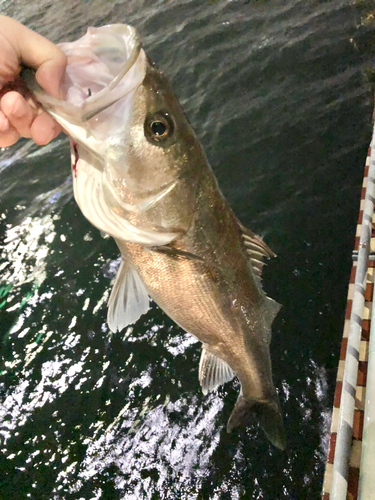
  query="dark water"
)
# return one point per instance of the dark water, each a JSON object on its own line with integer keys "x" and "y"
{"x": 277, "y": 93}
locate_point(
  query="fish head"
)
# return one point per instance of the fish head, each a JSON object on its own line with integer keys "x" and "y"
{"x": 135, "y": 157}
{"x": 161, "y": 146}
{"x": 162, "y": 160}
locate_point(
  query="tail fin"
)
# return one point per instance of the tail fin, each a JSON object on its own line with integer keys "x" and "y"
{"x": 268, "y": 414}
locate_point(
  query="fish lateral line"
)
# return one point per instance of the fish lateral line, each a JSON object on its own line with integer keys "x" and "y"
{"x": 176, "y": 253}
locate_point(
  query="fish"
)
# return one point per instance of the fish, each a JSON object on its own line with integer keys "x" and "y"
{"x": 141, "y": 176}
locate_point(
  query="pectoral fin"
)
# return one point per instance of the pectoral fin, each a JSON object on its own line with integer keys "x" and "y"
{"x": 128, "y": 300}
{"x": 213, "y": 371}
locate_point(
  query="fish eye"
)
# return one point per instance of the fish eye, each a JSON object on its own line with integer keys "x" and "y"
{"x": 158, "y": 127}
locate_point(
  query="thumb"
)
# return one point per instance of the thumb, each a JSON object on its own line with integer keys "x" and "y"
{"x": 50, "y": 75}
{"x": 36, "y": 51}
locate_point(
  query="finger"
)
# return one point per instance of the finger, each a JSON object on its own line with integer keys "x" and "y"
{"x": 36, "y": 51}
{"x": 19, "y": 112}
{"x": 44, "y": 129}
{"x": 9, "y": 136}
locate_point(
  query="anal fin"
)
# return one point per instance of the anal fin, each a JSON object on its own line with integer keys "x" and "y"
{"x": 128, "y": 300}
{"x": 213, "y": 371}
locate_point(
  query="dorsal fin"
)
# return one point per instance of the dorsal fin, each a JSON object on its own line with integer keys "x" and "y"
{"x": 256, "y": 249}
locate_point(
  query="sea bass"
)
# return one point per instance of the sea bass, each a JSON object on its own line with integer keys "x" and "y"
{"x": 141, "y": 176}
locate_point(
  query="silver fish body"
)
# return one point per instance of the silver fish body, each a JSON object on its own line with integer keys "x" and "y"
{"x": 141, "y": 175}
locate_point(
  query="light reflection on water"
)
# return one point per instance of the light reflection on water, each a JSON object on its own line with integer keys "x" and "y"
{"x": 25, "y": 250}
{"x": 144, "y": 451}
{"x": 144, "y": 431}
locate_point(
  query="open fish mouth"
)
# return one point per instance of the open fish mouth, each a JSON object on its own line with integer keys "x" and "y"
{"x": 105, "y": 66}
{"x": 124, "y": 82}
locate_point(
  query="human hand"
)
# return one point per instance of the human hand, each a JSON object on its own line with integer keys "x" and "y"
{"x": 20, "y": 116}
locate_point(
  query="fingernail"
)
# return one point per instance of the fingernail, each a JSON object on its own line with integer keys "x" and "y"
{"x": 19, "y": 111}
{"x": 51, "y": 77}
{"x": 53, "y": 132}
{"x": 50, "y": 135}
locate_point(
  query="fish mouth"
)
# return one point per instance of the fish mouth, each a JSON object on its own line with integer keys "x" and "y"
{"x": 129, "y": 43}
{"x": 104, "y": 66}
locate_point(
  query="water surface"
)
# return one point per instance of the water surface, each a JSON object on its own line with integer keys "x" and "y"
{"x": 278, "y": 95}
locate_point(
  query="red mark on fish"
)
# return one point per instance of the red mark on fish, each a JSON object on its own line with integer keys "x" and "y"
{"x": 74, "y": 165}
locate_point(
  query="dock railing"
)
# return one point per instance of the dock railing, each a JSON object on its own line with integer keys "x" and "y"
{"x": 347, "y": 405}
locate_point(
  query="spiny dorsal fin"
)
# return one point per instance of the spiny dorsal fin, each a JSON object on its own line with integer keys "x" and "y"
{"x": 213, "y": 371}
{"x": 256, "y": 249}
{"x": 128, "y": 300}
